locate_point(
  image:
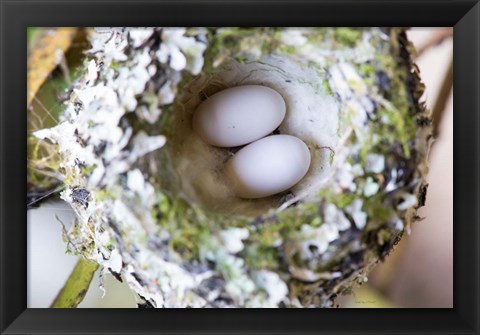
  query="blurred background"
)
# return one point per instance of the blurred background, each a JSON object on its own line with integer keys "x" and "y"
{"x": 418, "y": 273}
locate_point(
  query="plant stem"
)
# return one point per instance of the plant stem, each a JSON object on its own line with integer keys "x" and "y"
{"x": 76, "y": 285}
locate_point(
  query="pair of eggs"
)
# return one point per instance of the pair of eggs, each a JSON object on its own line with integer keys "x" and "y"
{"x": 245, "y": 115}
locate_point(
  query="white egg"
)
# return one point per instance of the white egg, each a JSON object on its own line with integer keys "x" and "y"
{"x": 268, "y": 166}
{"x": 239, "y": 115}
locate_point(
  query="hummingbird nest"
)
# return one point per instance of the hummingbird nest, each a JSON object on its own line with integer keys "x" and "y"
{"x": 152, "y": 207}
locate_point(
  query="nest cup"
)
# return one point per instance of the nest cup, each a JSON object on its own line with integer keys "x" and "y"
{"x": 311, "y": 115}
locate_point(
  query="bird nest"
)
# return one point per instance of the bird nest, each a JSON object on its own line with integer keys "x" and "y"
{"x": 152, "y": 204}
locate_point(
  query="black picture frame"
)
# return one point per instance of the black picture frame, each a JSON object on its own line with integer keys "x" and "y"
{"x": 17, "y": 15}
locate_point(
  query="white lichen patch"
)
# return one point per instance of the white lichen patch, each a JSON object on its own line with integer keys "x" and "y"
{"x": 232, "y": 239}
{"x": 370, "y": 188}
{"x": 319, "y": 237}
{"x": 375, "y": 163}
{"x": 273, "y": 286}
{"x": 335, "y": 217}
{"x": 357, "y": 213}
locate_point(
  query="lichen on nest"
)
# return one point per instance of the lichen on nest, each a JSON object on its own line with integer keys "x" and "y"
{"x": 151, "y": 211}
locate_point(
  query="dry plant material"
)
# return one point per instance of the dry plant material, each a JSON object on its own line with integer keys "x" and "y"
{"x": 45, "y": 56}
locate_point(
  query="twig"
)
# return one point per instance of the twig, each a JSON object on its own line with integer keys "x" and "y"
{"x": 434, "y": 40}
{"x": 76, "y": 285}
{"x": 443, "y": 95}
